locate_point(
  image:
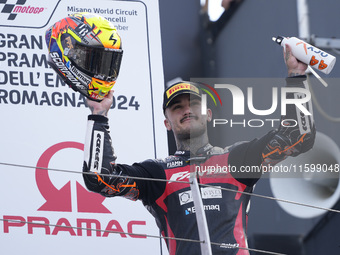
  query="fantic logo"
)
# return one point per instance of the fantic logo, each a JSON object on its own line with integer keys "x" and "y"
{"x": 13, "y": 9}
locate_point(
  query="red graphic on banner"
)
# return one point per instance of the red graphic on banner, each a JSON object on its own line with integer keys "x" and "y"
{"x": 90, "y": 202}
{"x": 60, "y": 199}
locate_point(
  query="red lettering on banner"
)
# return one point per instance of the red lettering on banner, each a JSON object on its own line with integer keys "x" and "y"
{"x": 117, "y": 229}
{"x": 13, "y": 221}
{"x": 64, "y": 225}
{"x": 88, "y": 225}
{"x": 67, "y": 228}
{"x": 135, "y": 222}
{"x": 43, "y": 224}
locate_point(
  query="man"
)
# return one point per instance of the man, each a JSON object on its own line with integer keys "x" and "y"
{"x": 171, "y": 202}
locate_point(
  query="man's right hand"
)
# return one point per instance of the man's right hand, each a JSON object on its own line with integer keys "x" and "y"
{"x": 103, "y": 107}
{"x": 294, "y": 66}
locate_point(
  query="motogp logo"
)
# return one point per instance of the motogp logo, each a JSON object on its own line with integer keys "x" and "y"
{"x": 13, "y": 9}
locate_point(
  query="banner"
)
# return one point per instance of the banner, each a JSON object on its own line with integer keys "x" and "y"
{"x": 44, "y": 124}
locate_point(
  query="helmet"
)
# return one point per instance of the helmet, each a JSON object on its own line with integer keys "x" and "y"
{"x": 86, "y": 51}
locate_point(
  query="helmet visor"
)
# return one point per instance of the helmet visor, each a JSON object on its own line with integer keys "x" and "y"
{"x": 99, "y": 62}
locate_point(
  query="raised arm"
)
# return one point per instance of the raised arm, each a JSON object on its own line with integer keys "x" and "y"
{"x": 100, "y": 173}
{"x": 297, "y": 135}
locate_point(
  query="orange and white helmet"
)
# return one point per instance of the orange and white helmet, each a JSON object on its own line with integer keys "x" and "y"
{"x": 86, "y": 51}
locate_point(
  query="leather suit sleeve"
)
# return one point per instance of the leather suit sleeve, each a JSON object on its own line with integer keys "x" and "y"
{"x": 295, "y": 136}
{"x": 99, "y": 172}
{"x": 102, "y": 175}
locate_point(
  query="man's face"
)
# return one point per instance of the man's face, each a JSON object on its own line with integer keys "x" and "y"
{"x": 184, "y": 117}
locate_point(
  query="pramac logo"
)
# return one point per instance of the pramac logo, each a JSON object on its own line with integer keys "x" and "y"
{"x": 60, "y": 199}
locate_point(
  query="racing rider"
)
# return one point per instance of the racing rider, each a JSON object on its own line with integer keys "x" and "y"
{"x": 171, "y": 202}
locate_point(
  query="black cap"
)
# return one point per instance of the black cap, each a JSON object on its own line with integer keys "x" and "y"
{"x": 179, "y": 88}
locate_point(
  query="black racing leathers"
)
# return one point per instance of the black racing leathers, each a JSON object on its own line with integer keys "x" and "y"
{"x": 218, "y": 172}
